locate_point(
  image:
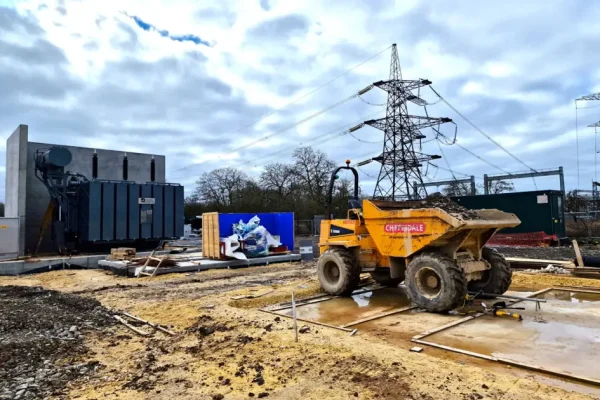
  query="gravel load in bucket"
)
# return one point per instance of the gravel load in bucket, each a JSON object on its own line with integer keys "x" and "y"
{"x": 438, "y": 200}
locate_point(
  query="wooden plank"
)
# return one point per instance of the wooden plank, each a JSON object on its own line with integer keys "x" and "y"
{"x": 576, "y": 290}
{"x": 131, "y": 327}
{"x": 578, "y": 254}
{"x": 300, "y": 304}
{"x": 155, "y": 326}
{"x": 513, "y": 363}
{"x": 518, "y": 260}
{"x": 374, "y": 317}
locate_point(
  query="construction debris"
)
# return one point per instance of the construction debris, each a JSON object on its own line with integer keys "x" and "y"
{"x": 122, "y": 253}
{"x": 38, "y": 330}
{"x": 550, "y": 269}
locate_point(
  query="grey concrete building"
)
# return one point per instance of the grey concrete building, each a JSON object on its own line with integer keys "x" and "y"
{"x": 27, "y": 197}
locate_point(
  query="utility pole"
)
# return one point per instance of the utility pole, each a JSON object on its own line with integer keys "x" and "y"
{"x": 400, "y": 162}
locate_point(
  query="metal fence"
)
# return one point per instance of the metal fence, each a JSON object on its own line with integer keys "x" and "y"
{"x": 307, "y": 227}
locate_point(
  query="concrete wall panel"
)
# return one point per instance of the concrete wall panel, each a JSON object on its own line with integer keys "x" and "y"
{"x": 16, "y": 180}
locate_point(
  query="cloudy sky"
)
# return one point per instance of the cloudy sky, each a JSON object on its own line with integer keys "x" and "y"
{"x": 190, "y": 79}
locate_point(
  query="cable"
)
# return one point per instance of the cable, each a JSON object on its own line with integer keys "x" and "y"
{"x": 366, "y": 173}
{"x": 364, "y": 141}
{"x": 444, "y": 169}
{"x": 480, "y": 131}
{"x": 319, "y": 139}
{"x": 369, "y": 103}
{"x": 306, "y": 119}
{"x": 312, "y": 91}
{"x": 585, "y": 108}
{"x": 484, "y": 160}
{"x": 296, "y": 100}
{"x": 577, "y": 141}
{"x": 446, "y": 160}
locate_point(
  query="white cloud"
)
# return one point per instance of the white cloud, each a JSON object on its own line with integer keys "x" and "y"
{"x": 499, "y": 69}
{"x": 85, "y": 73}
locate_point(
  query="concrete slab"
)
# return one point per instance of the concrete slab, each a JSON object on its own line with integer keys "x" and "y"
{"x": 567, "y": 328}
{"x": 122, "y": 268}
{"x": 19, "y": 267}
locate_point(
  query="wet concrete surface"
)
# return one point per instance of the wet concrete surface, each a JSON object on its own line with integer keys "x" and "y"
{"x": 563, "y": 336}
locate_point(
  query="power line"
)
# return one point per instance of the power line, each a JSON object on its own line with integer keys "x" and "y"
{"x": 366, "y": 173}
{"x": 364, "y": 141}
{"x": 481, "y": 131}
{"x": 482, "y": 159}
{"x": 577, "y": 141}
{"x": 296, "y": 100}
{"x": 319, "y": 139}
{"x": 446, "y": 159}
{"x": 302, "y": 121}
{"x": 445, "y": 169}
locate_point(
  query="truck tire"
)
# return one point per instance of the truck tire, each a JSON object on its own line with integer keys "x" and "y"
{"x": 498, "y": 278}
{"x": 338, "y": 271}
{"x": 382, "y": 277}
{"x": 435, "y": 283}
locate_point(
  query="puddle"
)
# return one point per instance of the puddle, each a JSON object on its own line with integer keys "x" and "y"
{"x": 573, "y": 297}
{"x": 566, "y": 329}
{"x": 341, "y": 311}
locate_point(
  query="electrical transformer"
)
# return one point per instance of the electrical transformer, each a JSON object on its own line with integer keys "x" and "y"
{"x": 90, "y": 213}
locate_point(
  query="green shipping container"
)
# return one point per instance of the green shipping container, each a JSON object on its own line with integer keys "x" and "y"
{"x": 539, "y": 211}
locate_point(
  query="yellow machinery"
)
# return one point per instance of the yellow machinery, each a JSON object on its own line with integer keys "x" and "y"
{"x": 439, "y": 255}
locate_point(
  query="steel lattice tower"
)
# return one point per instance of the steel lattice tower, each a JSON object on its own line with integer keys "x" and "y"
{"x": 400, "y": 163}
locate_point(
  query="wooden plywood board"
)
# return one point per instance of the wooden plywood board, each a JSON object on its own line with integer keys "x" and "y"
{"x": 210, "y": 235}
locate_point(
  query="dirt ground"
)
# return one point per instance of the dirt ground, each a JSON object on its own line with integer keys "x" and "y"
{"x": 226, "y": 348}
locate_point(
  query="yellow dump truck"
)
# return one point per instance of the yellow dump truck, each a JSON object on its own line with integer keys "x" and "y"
{"x": 435, "y": 246}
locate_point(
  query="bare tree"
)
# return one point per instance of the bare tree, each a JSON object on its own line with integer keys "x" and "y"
{"x": 574, "y": 202}
{"x": 280, "y": 178}
{"x": 313, "y": 169}
{"x": 497, "y": 187}
{"x": 221, "y": 187}
{"x": 457, "y": 189}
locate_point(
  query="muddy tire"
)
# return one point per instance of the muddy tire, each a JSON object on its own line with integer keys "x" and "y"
{"x": 435, "y": 283}
{"x": 338, "y": 271}
{"x": 382, "y": 277}
{"x": 498, "y": 278}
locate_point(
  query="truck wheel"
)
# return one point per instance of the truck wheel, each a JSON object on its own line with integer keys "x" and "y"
{"x": 382, "y": 277}
{"x": 338, "y": 271}
{"x": 435, "y": 283}
{"x": 498, "y": 278}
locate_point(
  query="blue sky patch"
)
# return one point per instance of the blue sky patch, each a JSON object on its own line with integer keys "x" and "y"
{"x": 164, "y": 33}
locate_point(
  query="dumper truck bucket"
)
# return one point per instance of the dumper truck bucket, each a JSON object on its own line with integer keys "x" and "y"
{"x": 401, "y": 229}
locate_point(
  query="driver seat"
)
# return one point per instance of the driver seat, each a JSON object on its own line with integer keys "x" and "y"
{"x": 352, "y": 205}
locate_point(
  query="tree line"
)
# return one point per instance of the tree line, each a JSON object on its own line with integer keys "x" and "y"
{"x": 299, "y": 186}
{"x": 1, "y": 209}
{"x": 464, "y": 189}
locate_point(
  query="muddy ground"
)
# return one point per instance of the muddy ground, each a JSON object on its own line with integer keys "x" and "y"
{"x": 226, "y": 348}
